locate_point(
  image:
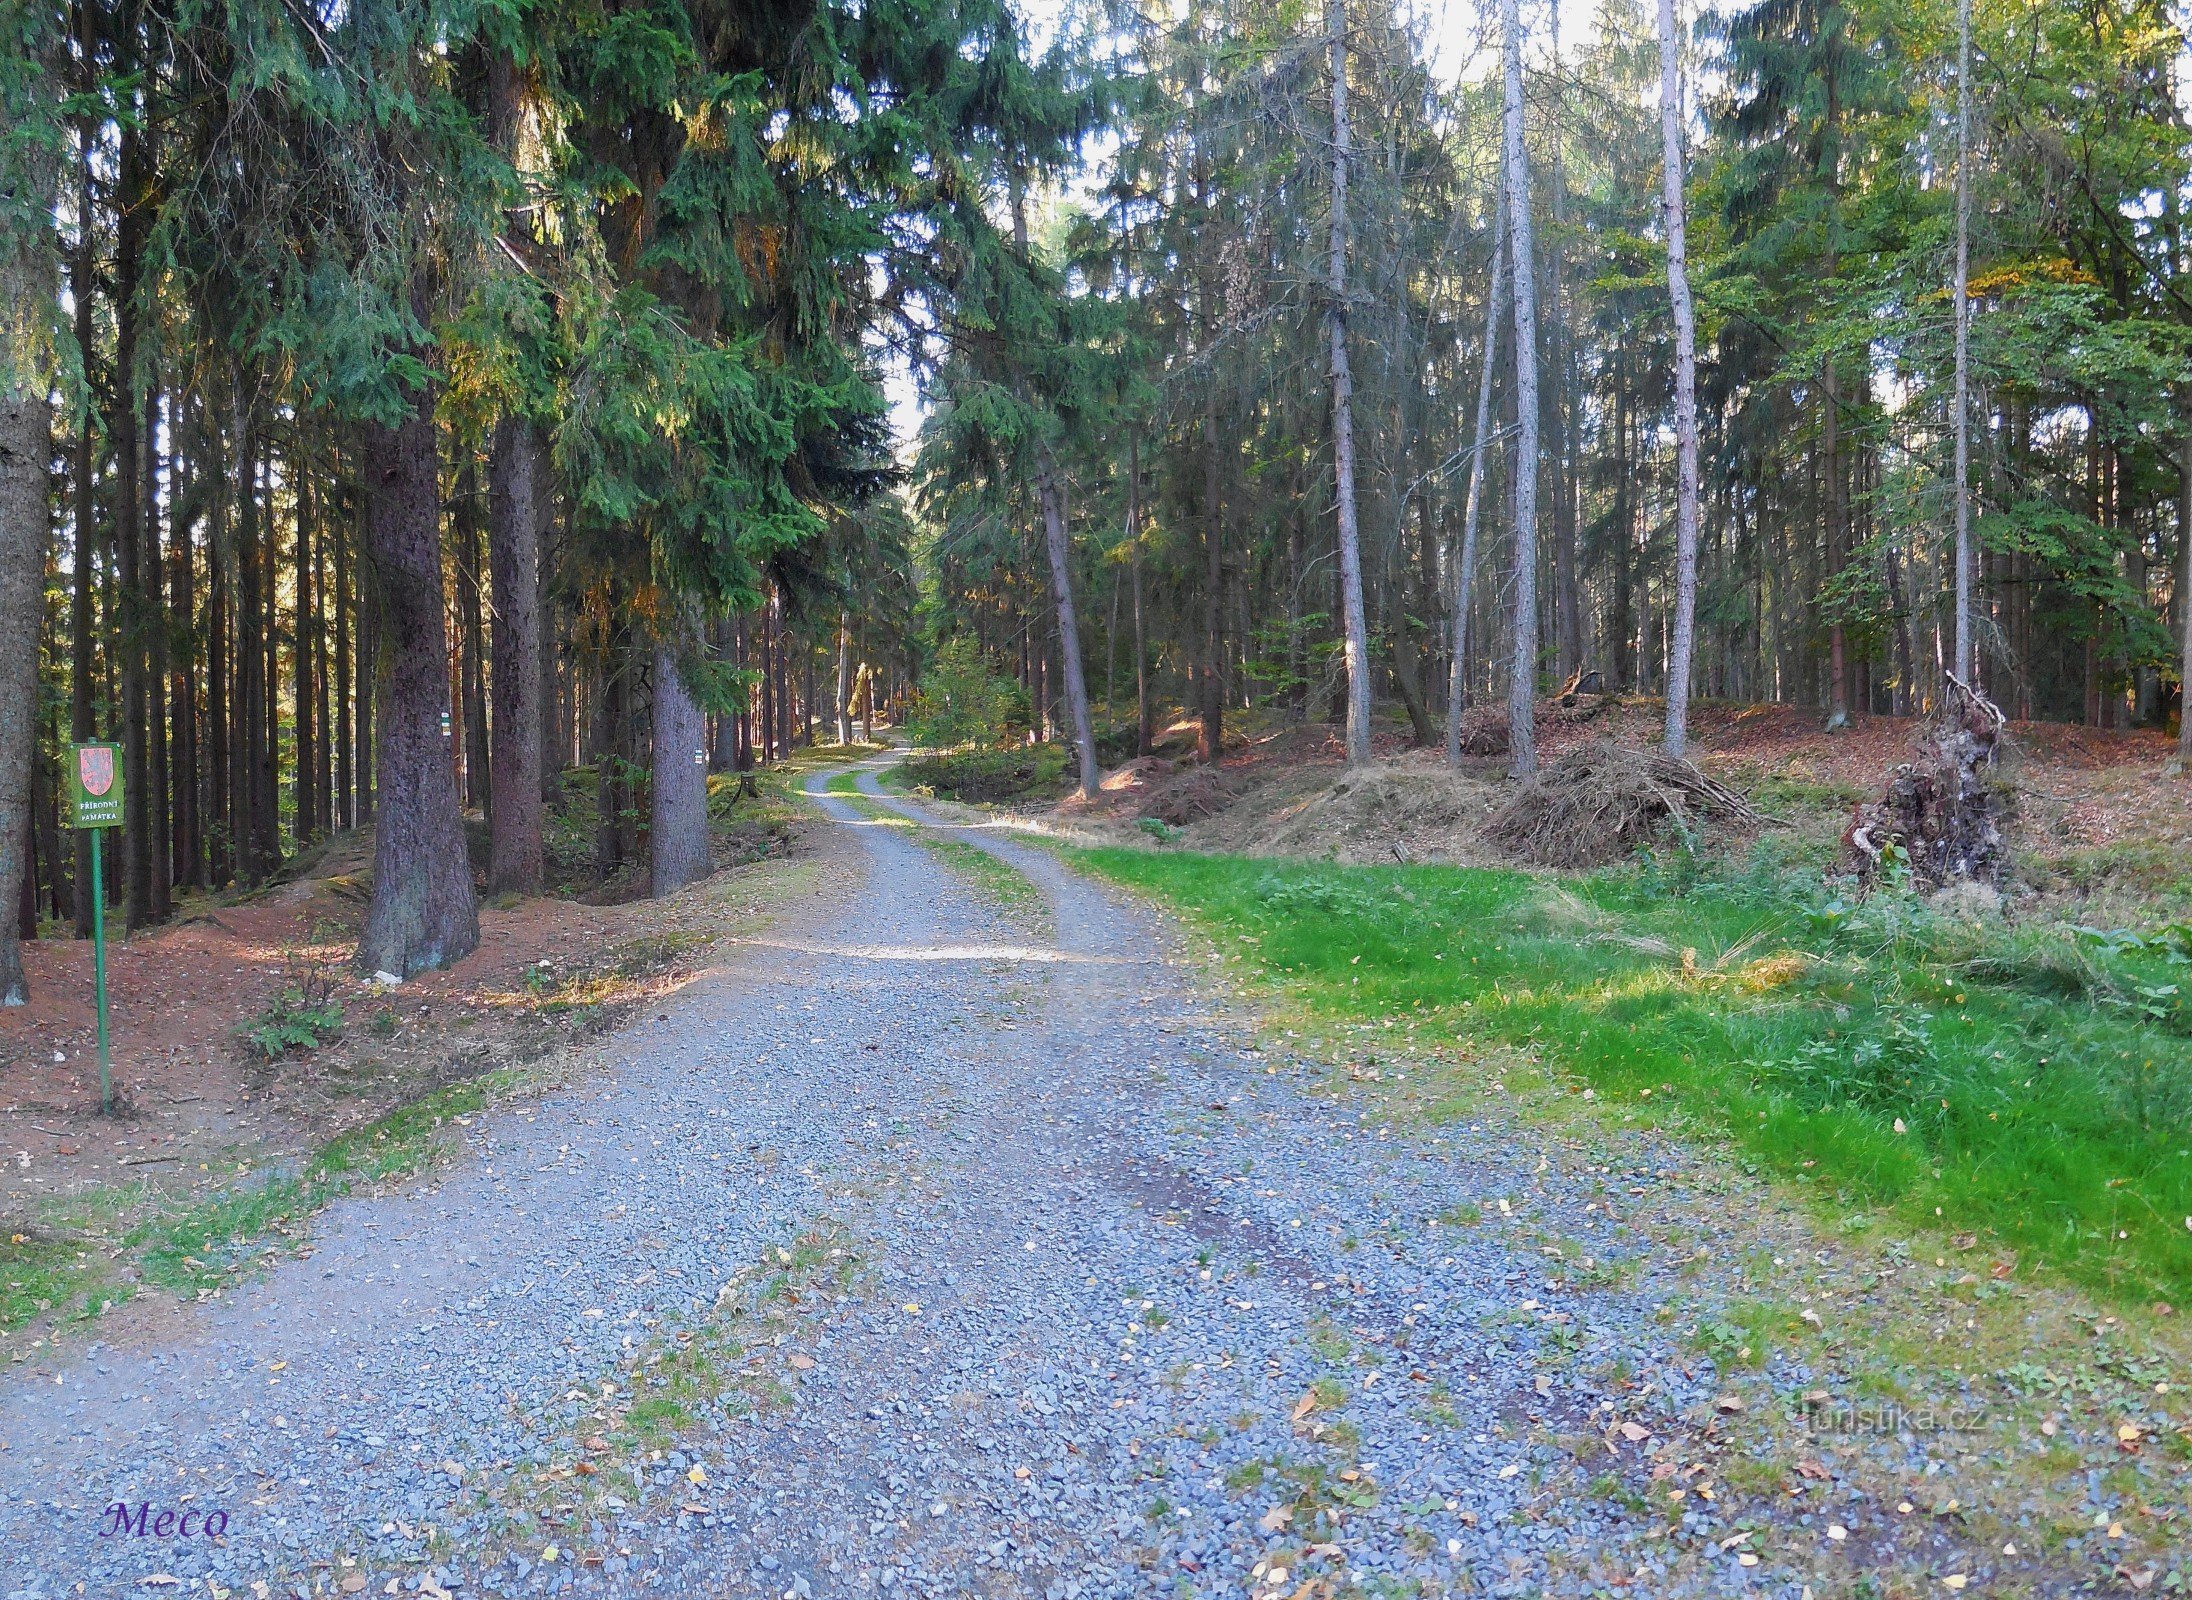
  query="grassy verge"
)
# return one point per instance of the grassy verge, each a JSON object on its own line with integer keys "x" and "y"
{"x": 100, "y": 1247}
{"x": 2028, "y": 1087}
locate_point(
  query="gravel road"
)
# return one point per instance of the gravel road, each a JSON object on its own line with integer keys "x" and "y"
{"x": 1126, "y": 1309}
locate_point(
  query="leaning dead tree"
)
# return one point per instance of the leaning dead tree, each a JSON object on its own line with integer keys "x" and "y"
{"x": 1942, "y": 814}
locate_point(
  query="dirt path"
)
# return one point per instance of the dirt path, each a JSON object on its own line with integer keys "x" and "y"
{"x": 932, "y": 1246}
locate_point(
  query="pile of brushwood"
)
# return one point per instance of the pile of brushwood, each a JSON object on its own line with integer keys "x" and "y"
{"x": 1940, "y": 818}
{"x": 1583, "y": 698}
{"x": 1601, "y": 801}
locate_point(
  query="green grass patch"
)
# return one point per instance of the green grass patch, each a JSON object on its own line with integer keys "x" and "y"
{"x": 2032, "y": 1086}
{"x": 98, "y": 1247}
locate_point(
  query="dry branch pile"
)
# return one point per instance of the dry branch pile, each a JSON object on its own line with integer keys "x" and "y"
{"x": 1484, "y": 727}
{"x": 1601, "y": 800}
{"x": 1941, "y": 814}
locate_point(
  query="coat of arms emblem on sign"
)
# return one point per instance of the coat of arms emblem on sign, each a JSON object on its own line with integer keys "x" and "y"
{"x": 95, "y": 767}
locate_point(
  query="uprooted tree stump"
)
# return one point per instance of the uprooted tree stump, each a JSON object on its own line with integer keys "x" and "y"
{"x": 1602, "y": 800}
{"x": 1942, "y": 814}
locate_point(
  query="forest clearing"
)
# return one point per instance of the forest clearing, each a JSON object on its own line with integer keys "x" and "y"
{"x": 1275, "y": 802}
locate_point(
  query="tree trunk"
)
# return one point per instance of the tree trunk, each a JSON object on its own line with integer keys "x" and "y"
{"x": 677, "y": 829}
{"x": 1343, "y": 405}
{"x": 844, "y": 677}
{"x": 1142, "y": 730}
{"x": 1685, "y": 385}
{"x": 1465, "y": 566}
{"x": 1963, "y": 653}
{"x": 1069, "y": 628}
{"x": 2184, "y": 590}
{"x": 1522, "y": 682}
{"x": 82, "y": 273}
{"x": 422, "y": 913}
{"x": 515, "y": 813}
{"x": 26, "y": 456}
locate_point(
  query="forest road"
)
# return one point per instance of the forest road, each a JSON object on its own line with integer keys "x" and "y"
{"x": 1121, "y": 1307}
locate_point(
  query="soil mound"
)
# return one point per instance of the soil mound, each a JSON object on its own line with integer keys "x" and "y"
{"x": 1381, "y": 814}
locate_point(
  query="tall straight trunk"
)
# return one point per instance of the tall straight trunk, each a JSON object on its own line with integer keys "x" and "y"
{"x": 365, "y": 612}
{"x": 1142, "y": 730}
{"x": 152, "y": 574}
{"x": 471, "y": 585}
{"x": 83, "y": 269}
{"x": 1343, "y": 404}
{"x": 214, "y": 812}
{"x": 422, "y": 913}
{"x": 183, "y": 718}
{"x": 515, "y": 504}
{"x": 1685, "y": 384}
{"x": 305, "y": 739}
{"x": 1560, "y": 347}
{"x": 1522, "y": 680}
{"x": 677, "y": 823}
{"x": 1210, "y": 704}
{"x": 1052, "y": 499}
{"x": 2184, "y": 587}
{"x": 323, "y": 773}
{"x": 1963, "y": 656}
{"x": 130, "y": 506}
{"x": 247, "y": 732}
{"x": 844, "y": 677}
{"x": 26, "y": 457}
{"x": 1465, "y": 564}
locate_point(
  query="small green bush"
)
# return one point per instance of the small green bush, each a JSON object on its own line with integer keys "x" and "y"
{"x": 304, "y": 1016}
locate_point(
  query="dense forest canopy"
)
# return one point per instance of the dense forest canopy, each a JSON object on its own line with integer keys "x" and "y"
{"x": 413, "y": 407}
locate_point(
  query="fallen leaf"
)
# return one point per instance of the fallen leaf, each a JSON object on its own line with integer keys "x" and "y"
{"x": 695, "y": 1508}
{"x": 1544, "y": 1384}
{"x": 804, "y": 1363}
{"x": 1510, "y": 1470}
{"x": 697, "y": 1475}
{"x": 354, "y": 1584}
{"x": 1729, "y": 1402}
{"x": 1837, "y": 1532}
{"x": 1306, "y": 1404}
{"x": 1956, "y": 1580}
{"x": 1814, "y": 1470}
{"x": 1276, "y": 1518}
{"x": 1635, "y": 1433}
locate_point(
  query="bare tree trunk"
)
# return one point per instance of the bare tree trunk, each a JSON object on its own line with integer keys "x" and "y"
{"x": 1522, "y": 683}
{"x": 1963, "y": 341}
{"x": 1685, "y": 385}
{"x": 1069, "y": 628}
{"x": 514, "y": 810}
{"x": 422, "y": 914}
{"x": 677, "y": 827}
{"x": 1465, "y": 567}
{"x": 844, "y": 677}
{"x": 1134, "y": 568}
{"x": 26, "y": 458}
{"x": 1343, "y": 406}
{"x": 2184, "y": 590}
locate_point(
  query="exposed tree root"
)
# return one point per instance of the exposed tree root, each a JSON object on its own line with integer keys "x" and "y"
{"x": 1941, "y": 816}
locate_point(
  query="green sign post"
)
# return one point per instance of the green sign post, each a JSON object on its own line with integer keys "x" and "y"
{"x": 95, "y": 802}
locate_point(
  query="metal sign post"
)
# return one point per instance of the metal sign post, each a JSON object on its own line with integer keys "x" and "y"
{"x": 95, "y": 803}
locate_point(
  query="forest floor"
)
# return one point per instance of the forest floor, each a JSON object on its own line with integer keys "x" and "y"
{"x": 250, "y": 1059}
